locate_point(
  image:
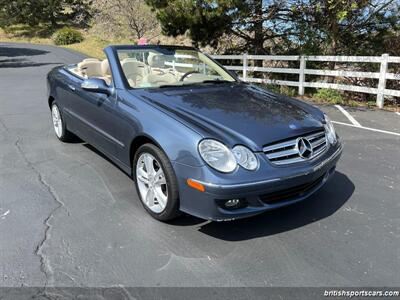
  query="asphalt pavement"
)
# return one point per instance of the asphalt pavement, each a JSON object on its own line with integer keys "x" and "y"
{"x": 69, "y": 217}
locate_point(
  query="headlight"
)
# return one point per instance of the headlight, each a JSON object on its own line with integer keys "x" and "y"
{"x": 330, "y": 131}
{"x": 217, "y": 155}
{"x": 245, "y": 157}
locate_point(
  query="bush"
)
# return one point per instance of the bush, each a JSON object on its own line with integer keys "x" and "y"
{"x": 67, "y": 36}
{"x": 285, "y": 90}
{"x": 273, "y": 88}
{"x": 329, "y": 95}
{"x": 288, "y": 91}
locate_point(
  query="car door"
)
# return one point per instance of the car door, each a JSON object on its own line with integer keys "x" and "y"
{"x": 96, "y": 113}
{"x": 91, "y": 116}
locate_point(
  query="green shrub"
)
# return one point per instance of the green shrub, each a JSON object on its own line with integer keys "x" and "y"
{"x": 273, "y": 88}
{"x": 67, "y": 36}
{"x": 285, "y": 90}
{"x": 329, "y": 95}
{"x": 288, "y": 91}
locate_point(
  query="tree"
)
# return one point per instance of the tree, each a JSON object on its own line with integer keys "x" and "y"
{"x": 127, "y": 18}
{"x": 42, "y": 11}
{"x": 206, "y": 21}
{"x": 305, "y": 26}
{"x": 333, "y": 27}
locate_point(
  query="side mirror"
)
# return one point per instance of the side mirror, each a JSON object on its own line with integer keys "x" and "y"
{"x": 96, "y": 85}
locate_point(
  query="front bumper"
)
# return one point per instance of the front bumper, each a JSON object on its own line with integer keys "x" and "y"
{"x": 284, "y": 186}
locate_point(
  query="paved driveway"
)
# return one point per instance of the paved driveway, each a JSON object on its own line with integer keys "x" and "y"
{"x": 69, "y": 217}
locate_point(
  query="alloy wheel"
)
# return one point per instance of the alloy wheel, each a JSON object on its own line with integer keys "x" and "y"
{"x": 151, "y": 182}
{"x": 57, "y": 121}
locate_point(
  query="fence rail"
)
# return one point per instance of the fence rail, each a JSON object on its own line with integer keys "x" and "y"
{"x": 380, "y": 90}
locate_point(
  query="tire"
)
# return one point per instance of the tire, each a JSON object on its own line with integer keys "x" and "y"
{"x": 59, "y": 125}
{"x": 160, "y": 201}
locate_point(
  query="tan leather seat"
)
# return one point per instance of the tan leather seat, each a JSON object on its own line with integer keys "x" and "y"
{"x": 90, "y": 68}
{"x": 134, "y": 70}
{"x": 106, "y": 71}
{"x": 155, "y": 79}
{"x": 156, "y": 60}
{"x": 159, "y": 73}
{"x": 90, "y": 59}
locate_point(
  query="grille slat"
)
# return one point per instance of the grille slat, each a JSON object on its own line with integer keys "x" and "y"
{"x": 286, "y": 152}
{"x": 319, "y": 151}
{"x": 288, "y": 161}
{"x": 286, "y": 144}
{"x": 283, "y": 153}
{"x": 315, "y": 135}
{"x": 318, "y": 142}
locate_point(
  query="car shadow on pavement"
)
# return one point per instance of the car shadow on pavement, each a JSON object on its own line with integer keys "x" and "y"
{"x": 23, "y": 63}
{"x": 322, "y": 204}
{"x": 17, "y": 51}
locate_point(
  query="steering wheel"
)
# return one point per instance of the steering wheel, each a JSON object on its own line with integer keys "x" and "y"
{"x": 187, "y": 74}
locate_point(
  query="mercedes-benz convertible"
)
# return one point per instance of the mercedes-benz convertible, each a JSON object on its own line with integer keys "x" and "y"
{"x": 193, "y": 136}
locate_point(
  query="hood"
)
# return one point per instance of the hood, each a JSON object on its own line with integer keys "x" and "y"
{"x": 237, "y": 113}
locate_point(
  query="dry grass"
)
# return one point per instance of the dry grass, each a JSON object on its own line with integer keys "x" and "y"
{"x": 91, "y": 45}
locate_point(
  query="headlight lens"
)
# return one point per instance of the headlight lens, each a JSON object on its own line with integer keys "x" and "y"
{"x": 330, "y": 131}
{"x": 217, "y": 155}
{"x": 245, "y": 157}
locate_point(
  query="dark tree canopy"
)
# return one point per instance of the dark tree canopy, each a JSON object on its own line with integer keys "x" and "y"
{"x": 342, "y": 27}
{"x": 309, "y": 26}
{"x": 33, "y": 12}
{"x": 206, "y": 21}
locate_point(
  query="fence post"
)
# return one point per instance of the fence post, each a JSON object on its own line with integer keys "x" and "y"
{"x": 382, "y": 81}
{"x": 245, "y": 67}
{"x": 301, "y": 75}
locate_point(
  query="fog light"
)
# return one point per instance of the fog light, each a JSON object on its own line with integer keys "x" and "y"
{"x": 232, "y": 203}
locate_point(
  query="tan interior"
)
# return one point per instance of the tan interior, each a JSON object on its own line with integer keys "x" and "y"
{"x": 92, "y": 67}
{"x": 137, "y": 73}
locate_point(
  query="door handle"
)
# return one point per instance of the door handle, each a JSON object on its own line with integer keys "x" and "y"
{"x": 71, "y": 87}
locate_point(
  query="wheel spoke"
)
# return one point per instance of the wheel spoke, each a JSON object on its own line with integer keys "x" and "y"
{"x": 159, "y": 178}
{"x": 150, "y": 198}
{"x": 161, "y": 198}
{"x": 142, "y": 176}
{"x": 148, "y": 161}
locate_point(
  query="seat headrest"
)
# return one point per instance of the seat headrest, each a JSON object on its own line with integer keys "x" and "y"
{"x": 156, "y": 60}
{"x": 128, "y": 59}
{"x": 90, "y": 67}
{"x": 133, "y": 65}
{"x": 105, "y": 68}
{"x": 90, "y": 59}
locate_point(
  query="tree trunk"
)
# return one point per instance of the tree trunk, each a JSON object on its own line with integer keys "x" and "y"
{"x": 53, "y": 21}
{"x": 258, "y": 42}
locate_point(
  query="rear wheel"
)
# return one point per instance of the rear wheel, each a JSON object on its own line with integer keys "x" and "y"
{"x": 59, "y": 125}
{"x": 156, "y": 183}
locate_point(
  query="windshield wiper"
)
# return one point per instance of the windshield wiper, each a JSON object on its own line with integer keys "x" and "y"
{"x": 216, "y": 81}
{"x": 169, "y": 85}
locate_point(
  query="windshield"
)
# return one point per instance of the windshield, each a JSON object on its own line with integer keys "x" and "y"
{"x": 149, "y": 68}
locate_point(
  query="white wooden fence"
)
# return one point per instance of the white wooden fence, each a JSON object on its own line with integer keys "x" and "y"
{"x": 302, "y": 71}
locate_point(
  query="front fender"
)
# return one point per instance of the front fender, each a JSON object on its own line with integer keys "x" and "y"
{"x": 177, "y": 140}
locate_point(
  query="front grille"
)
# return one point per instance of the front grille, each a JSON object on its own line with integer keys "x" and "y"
{"x": 290, "y": 193}
{"x": 287, "y": 152}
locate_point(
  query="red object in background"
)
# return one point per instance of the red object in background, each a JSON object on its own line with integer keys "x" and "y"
{"x": 142, "y": 41}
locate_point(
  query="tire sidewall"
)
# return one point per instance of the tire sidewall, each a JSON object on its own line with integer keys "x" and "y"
{"x": 172, "y": 208}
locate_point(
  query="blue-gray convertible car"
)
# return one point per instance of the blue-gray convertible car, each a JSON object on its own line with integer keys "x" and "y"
{"x": 194, "y": 138}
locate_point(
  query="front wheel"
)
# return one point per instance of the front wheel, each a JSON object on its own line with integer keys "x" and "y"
{"x": 156, "y": 183}
{"x": 59, "y": 124}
